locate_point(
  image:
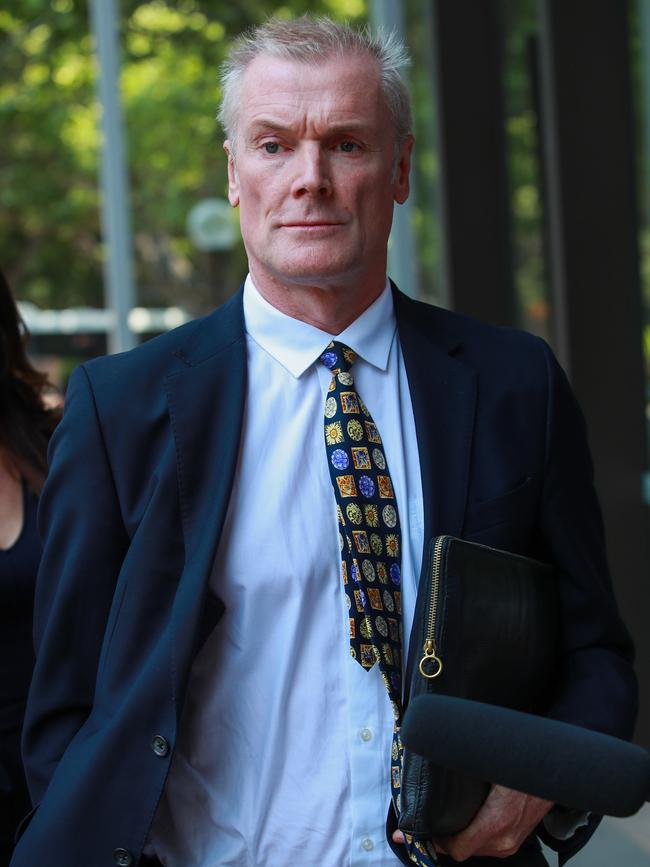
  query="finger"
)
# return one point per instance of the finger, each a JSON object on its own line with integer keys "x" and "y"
{"x": 398, "y": 837}
{"x": 498, "y": 829}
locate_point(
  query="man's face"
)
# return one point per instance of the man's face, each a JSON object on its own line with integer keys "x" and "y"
{"x": 314, "y": 173}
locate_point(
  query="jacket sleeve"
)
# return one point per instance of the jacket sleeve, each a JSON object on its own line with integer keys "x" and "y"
{"x": 596, "y": 685}
{"x": 84, "y": 544}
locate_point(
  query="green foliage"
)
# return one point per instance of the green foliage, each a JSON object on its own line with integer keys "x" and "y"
{"x": 48, "y": 194}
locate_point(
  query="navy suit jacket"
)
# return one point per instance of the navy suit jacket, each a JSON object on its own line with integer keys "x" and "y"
{"x": 140, "y": 477}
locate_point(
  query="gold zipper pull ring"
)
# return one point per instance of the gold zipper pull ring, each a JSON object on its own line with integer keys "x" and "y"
{"x": 430, "y": 664}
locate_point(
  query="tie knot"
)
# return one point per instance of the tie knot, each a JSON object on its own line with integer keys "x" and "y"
{"x": 338, "y": 357}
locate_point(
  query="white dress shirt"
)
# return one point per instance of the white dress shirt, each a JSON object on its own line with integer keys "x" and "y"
{"x": 283, "y": 754}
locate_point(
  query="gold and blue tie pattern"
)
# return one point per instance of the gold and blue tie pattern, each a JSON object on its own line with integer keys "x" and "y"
{"x": 370, "y": 543}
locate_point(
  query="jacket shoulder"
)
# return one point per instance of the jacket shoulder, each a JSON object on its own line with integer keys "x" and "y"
{"x": 145, "y": 366}
{"x": 472, "y": 340}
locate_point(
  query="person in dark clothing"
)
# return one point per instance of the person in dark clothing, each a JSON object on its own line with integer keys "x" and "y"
{"x": 196, "y": 700}
{"x": 26, "y": 423}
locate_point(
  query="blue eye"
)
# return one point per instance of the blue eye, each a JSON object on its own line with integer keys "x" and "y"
{"x": 347, "y": 146}
{"x": 271, "y": 147}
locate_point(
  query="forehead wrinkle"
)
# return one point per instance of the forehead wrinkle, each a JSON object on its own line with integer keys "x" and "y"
{"x": 286, "y": 82}
{"x": 330, "y": 101}
{"x": 300, "y": 116}
{"x": 321, "y": 126}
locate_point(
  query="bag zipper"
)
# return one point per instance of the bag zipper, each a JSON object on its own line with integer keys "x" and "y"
{"x": 431, "y": 664}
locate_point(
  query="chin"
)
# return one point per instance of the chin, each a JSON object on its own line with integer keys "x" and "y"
{"x": 314, "y": 269}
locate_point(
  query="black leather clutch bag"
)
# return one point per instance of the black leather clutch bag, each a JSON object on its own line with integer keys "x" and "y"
{"x": 485, "y": 628}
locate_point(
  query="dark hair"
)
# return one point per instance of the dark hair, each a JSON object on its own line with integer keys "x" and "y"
{"x": 26, "y": 424}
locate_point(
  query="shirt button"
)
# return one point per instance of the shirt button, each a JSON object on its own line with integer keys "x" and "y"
{"x": 367, "y": 844}
{"x": 365, "y": 734}
{"x": 160, "y": 746}
{"x": 122, "y": 857}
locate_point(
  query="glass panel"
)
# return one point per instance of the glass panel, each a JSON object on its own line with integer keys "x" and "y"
{"x": 48, "y": 163}
{"x": 640, "y": 72}
{"x": 49, "y": 219}
{"x": 524, "y": 167}
{"x": 425, "y": 172}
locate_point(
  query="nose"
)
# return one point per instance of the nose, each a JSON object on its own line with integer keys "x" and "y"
{"x": 312, "y": 176}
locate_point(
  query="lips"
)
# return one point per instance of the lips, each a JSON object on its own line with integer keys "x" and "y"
{"x": 311, "y": 224}
{"x": 309, "y": 221}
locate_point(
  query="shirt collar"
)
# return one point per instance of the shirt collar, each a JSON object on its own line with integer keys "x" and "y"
{"x": 296, "y": 344}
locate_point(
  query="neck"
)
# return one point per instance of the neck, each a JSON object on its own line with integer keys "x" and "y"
{"x": 329, "y": 308}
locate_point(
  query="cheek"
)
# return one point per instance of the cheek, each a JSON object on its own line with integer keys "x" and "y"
{"x": 365, "y": 194}
{"x": 251, "y": 208}
{"x": 255, "y": 218}
{"x": 259, "y": 198}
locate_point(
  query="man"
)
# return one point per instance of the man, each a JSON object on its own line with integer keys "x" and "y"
{"x": 198, "y": 696}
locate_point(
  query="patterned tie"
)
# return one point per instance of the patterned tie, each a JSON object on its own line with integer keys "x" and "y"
{"x": 370, "y": 542}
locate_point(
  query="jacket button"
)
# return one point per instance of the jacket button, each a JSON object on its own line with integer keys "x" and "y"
{"x": 122, "y": 857}
{"x": 160, "y": 746}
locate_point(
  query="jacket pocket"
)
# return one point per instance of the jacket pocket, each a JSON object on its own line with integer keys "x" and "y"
{"x": 516, "y": 505}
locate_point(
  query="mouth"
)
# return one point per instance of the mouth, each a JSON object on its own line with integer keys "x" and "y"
{"x": 310, "y": 224}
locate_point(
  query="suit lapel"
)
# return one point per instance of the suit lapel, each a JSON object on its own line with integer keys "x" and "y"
{"x": 443, "y": 395}
{"x": 206, "y": 403}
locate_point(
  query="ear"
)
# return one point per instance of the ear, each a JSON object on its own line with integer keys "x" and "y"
{"x": 233, "y": 180}
{"x": 401, "y": 186}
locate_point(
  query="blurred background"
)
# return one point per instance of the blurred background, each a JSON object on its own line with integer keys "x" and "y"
{"x": 530, "y": 203}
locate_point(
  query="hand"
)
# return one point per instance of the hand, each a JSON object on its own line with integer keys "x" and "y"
{"x": 499, "y": 828}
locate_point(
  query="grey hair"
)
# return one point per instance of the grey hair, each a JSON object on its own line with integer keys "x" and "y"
{"x": 307, "y": 40}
